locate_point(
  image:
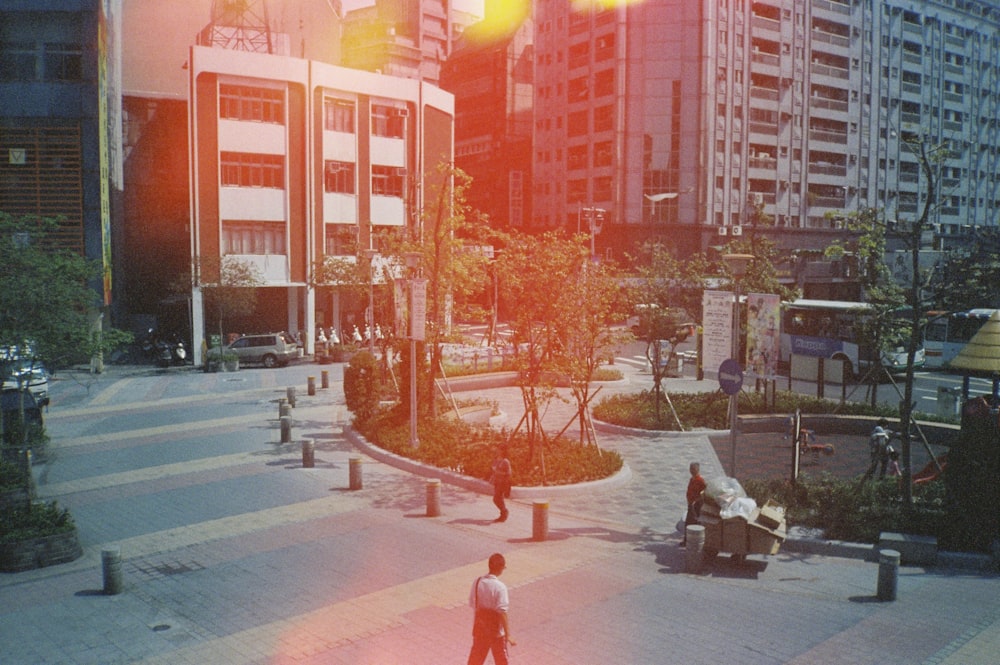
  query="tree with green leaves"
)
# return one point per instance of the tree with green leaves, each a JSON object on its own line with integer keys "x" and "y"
{"x": 453, "y": 242}
{"x": 48, "y": 308}
{"x": 584, "y": 312}
{"x": 230, "y": 286}
{"x": 49, "y": 313}
{"x": 665, "y": 298}
{"x": 534, "y": 276}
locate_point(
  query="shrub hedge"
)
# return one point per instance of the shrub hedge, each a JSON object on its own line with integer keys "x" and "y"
{"x": 457, "y": 446}
{"x": 34, "y": 521}
{"x": 711, "y": 409}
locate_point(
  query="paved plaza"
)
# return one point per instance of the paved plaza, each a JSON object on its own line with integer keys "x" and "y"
{"x": 234, "y": 553}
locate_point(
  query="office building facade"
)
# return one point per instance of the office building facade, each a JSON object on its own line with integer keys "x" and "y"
{"x": 60, "y": 123}
{"x": 295, "y": 160}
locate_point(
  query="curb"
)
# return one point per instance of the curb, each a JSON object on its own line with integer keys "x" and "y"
{"x": 623, "y": 476}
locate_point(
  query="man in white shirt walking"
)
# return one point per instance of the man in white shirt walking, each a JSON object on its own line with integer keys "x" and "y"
{"x": 490, "y": 628}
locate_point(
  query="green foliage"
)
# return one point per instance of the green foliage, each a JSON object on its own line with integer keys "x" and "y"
{"x": 12, "y": 477}
{"x": 711, "y": 409}
{"x": 457, "y": 446}
{"x": 856, "y": 511}
{"x": 230, "y": 286}
{"x": 49, "y": 310}
{"x": 34, "y": 521}
{"x": 26, "y": 435}
{"x": 361, "y": 385}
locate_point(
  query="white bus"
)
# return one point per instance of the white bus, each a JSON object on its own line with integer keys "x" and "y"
{"x": 830, "y": 329}
{"x": 947, "y": 333}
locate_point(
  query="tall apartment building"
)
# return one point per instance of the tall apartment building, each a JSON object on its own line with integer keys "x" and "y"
{"x": 294, "y": 160}
{"x": 683, "y": 119}
{"x": 490, "y": 72}
{"x": 60, "y": 122}
{"x": 407, "y": 38}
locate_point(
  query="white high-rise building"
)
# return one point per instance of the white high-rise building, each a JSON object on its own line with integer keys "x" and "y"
{"x": 683, "y": 119}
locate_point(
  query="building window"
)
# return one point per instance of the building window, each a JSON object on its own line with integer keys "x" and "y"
{"x": 388, "y": 180}
{"x": 244, "y": 169}
{"x": 63, "y": 62}
{"x": 17, "y": 61}
{"x": 243, "y": 102}
{"x": 576, "y": 157}
{"x": 576, "y": 124}
{"x": 56, "y": 62}
{"x": 388, "y": 121}
{"x": 602, "y": 188}
{"x": 338, "y": 115}
{"x": 604, "y": 83}
{"x": 578, "y": 89}
{"x": 240, "y": 237}
{"x": 603, "y": 116}
{"x": 603, "y": 153}
{"x": 341, "y": 240}
{"x": 338, "y": 177}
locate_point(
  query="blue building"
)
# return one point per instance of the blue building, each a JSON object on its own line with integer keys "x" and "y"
{"x": 60, "y": 121}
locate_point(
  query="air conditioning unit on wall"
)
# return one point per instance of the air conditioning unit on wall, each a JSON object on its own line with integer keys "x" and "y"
{"x": 723, "y": 231}
{"x": 737, "y": 230}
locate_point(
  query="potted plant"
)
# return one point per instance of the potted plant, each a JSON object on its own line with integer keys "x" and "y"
{"x": 35, "y": 535}
{"x": 342, "y": 353}
{"x": 221, "y": 361}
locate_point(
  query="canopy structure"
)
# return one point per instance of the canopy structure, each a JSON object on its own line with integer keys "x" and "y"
{"x": 981, "y": 355}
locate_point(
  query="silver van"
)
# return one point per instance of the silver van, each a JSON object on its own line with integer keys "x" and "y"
{"x": 270, "y": 349}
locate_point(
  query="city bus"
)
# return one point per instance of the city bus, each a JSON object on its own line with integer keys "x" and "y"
{"x": 947, "y": 333}
{"x": 830, "y": 329}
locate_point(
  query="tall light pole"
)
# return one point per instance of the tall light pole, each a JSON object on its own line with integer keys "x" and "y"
{"x": 412, "y": 264}
{"x": 369, "y": 255}
{"x": 594, "y": 215}
{"x": 737, "y": 265}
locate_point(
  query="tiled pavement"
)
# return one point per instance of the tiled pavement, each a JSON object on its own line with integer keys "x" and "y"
{"x": 233, "y": 553}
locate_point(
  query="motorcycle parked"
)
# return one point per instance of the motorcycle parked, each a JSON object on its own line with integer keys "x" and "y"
{"x": 163, "y": 352}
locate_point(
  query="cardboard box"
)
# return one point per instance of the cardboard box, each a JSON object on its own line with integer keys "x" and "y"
{"x": 734, "y": 535}
{"x": 771, "y": 515}
{"x": 762, "y": 540}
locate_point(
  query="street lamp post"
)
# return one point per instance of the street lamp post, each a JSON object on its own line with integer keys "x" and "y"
{"x": 737, "y": 264}
{"x": 594, "y": 215}
{"x": 369, "y": 254}
{"x": 412, "y": 263}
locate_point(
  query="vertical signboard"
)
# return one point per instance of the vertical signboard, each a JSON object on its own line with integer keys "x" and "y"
{"x": 717, "y": 324}
{"x": 763, "y": 334}
{"x": 399, "y": 297}
{"x": 418, "y": 308}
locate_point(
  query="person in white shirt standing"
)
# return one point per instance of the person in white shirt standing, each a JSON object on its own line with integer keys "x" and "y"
{"x": 490, "y": 628}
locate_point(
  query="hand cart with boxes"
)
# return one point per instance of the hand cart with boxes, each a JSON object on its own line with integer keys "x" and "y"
{"x": 735, "y": 525}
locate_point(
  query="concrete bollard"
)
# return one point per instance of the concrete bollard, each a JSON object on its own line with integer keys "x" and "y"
{"x": 695, "y": 536}
{"x": 111, "y": 565}
{"x": 290, "y": 393}
{"x": 284, "y": 410}
{"x": 540, "y": 520}
{"x": 433, "y": 498}
{"x": 888, "y": 573}
{"x": 308, "y": 453}
{"x": 355, "y": 480}
{"x": 286, "y": 429}
{"x": 324, "y": 379}
{"x": 311, "y": 385}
